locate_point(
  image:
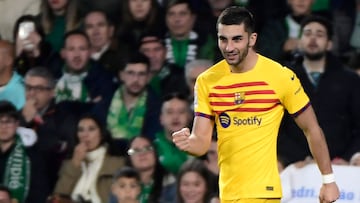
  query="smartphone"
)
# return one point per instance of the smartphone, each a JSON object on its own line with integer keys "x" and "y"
{"x": 25, "y": 28}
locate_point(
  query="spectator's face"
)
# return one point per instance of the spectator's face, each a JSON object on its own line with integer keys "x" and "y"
{"x": 76, "y": 53}
{"x": 58, "y": 5}
{"x": 175, "y": 114}
{"x": 192, "y": 187}
{"x": 314, "y": 41}
{"x": 126, "y": 189}
{"x": 134, "y": 78}
{"x": 180, "y": 20}
{"x": 156, "y": 52}
{"x": 98, "y": 30}
{"x": 143, "y": 156}
{"x": 300, "y": 7}
{"x": 8, "y": 127}
{"x": 38, "y": 90}
{"x": 219, "y": 4}
{"x": 140, "y": 9}
{"x": 234, "y": 43}
{"x": 89, "y": 133}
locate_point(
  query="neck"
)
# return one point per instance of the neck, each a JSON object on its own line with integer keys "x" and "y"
{"x": 315, "y": 65}
{"x": 98, "y": 49}
{"x": 247, "y": 64}
{"x": 146, "y": 176}
{"x": 60, "y": 12}
{"x": 5, "y": 77}
{"x": 181, "y": 37}
{"x": 129, "y": 100}
{"x": 5, "y": 145}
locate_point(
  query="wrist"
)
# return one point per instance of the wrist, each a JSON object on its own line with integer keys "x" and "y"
{"x": 328, "y": 178}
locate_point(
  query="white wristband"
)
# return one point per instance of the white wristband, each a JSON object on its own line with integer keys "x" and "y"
{"x": 328, "y": 178}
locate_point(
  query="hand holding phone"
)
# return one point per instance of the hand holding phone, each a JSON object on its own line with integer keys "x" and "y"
{"x": 25, "y": 28}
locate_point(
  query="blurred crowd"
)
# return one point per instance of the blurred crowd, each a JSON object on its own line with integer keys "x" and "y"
{"x": 91, "y": 92}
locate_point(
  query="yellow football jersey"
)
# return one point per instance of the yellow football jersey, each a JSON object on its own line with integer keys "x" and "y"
{"x": 247, "y": 109}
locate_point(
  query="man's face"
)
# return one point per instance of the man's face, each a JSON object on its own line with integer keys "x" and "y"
{"x": 180, "y": 20}
{"x": 38, "y": 90}
{"x": 175, "y": 114}
{"x": 76, "y": 52}
{"x": 134, "y": 78}
{"x": 98, "y": 30}
{"x": 300, "y": 7}
{"x": 234, "y": 43}
{"x": 219, "y": 4}
{"x": 314, "y": 41}
{"x": 156, "y": 52}
{"x": 140, "y": 9}
{"x": 8, "y": 127}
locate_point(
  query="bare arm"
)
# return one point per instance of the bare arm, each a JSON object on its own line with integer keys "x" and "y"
{"x": 198, "y": 142}
{"x": 308, "y": 123}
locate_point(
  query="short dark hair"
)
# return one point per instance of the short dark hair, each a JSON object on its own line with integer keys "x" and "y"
{"x": 138, "y": 57}
{"x": 107, "y": 17}
{"x": 236, "y": 15}
{"x": 43, "y": 73}
{"x": 321, "y": 20}
{"x": 76, "y": 32}
{"x": 127, "y": 172}
{"x": 8, "y": 109}
{"x": 173, "y": 3}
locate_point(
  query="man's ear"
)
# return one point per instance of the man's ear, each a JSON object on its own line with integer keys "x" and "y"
{"x": 252, "y": 39}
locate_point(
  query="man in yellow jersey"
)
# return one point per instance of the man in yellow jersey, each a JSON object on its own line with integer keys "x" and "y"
{"x": 246, "y": 95}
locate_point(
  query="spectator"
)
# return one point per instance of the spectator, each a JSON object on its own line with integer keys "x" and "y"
{"x": 127, "y": 186}
{"x": 12, "y": 10}
{"x": 279, "y": 37}
{"x": 55, "y": 124}
{"x": 57, "y": 18}
{"x": 34, "y": 50}
{"x": 182, "y": 42}
{"x": 11, "y": 83}
{"x": 175, "y": 113}
{"x": 164, "y": 77}
{"x": 139, "y": 17}
{"x": 158, "y": 185}
{"x": 193, "y": 183}
{"x": 322, "y": 77}
{"x": 22, "y": 168}
{"x": 83, "y": 80}
{"x": 87, "y": 176}
{"x": 100, "y": 30}
{"x": 134, "y": 108}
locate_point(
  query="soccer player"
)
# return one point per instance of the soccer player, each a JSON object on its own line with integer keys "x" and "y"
{"x": 246, "y": 95}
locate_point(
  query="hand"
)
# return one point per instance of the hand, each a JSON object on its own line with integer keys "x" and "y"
{"x": 329, "y": 193}
{"x": 29, "y": 110}
{"x": 181, "y": 139}
{"x": 290, "y": 44}
{"x": 79, "y": 154}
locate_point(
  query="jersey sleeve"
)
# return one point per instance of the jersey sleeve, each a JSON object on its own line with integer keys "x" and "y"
{"x": 201, "y": 99}
{"x": 294, "y": 97}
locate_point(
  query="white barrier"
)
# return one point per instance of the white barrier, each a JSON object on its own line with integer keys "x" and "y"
{"x": 302, "y": 185}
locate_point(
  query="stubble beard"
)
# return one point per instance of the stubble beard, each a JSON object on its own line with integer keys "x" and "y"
{"x": 315, "y": 56}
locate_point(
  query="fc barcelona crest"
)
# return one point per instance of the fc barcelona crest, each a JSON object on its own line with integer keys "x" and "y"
{"x": 239, "y": 97}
